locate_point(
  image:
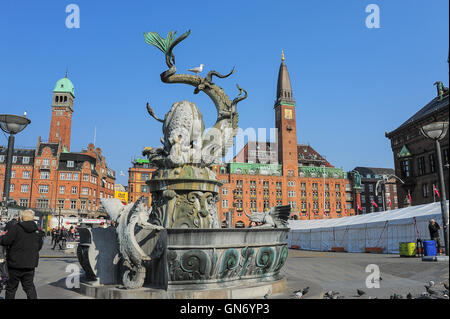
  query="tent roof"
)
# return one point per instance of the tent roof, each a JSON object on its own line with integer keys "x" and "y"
{"x": 396, "y": 215}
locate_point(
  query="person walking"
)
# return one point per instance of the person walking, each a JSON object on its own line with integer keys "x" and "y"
{"x": 24, "y": 240}
{"x": 434, "y": 227}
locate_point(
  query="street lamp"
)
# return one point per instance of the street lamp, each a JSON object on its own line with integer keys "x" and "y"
{"x": 437, "y": 131}
{"x": 11, "y": 124}
{"x": 383, "y": 182}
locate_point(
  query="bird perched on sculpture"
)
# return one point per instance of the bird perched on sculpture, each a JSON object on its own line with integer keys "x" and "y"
{"x": 198, "y": 69}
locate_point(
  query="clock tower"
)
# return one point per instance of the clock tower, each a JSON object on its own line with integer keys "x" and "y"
{"x": 285, "y": 122}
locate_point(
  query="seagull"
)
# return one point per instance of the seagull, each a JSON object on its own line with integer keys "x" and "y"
{"x": 360, "y": 292}
{"x": 197, "y": 69}
{"x": 122, "y": 173}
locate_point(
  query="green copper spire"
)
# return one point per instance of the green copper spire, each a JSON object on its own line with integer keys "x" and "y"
{"x": 64, "y": 85}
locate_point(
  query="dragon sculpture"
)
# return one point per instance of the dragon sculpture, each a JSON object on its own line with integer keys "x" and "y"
{"x": 276, "y": 217}
{"x": 184, "y": 140}
{"x": 133, "y": 256}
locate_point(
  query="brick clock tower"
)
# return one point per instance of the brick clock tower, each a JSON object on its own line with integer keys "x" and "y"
{"x": 62, "y": 110}
{"x": 285, "y": 123}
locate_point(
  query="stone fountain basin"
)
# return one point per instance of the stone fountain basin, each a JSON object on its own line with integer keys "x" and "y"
{"x": 226, "y": 255}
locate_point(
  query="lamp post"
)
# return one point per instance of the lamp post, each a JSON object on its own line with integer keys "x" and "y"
{"x": 437, "y": 131}
{"x": 383, "y": 182}
{"x": 11, "y": 124}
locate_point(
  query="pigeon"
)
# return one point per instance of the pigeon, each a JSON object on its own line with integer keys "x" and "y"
{"x": 197, "y": 69}
{"x": 300, "y": 293}
{"x": 360, "y": 292}
{"x": 409, "y": 296}
{"x": 431, "y": 291}
{"x": 431, "y": 283}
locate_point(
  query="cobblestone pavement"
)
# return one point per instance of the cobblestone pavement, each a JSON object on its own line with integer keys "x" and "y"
{"x": 346, "y": 272}
{"x": 321, "y": 271}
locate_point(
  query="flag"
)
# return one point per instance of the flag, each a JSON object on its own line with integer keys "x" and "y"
{"x": 409, "y": 196}
{"x": 390, "y": 203}
{"x": 359, "y": 206}
{"x": 374, "y": 204}
{"x": 436, "y": 191}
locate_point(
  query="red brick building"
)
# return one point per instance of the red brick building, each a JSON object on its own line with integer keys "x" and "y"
{"x": 138, "y": 174}
{"x": 51, "y": 179}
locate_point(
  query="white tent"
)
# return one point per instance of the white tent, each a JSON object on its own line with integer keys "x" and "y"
{"x": 356, "y": 233}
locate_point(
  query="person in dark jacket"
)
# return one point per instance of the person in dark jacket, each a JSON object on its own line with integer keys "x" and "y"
{"x": 24, "y": 240}
{"x": 434, "y": 227}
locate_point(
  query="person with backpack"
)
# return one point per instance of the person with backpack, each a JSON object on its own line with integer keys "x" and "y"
{"x": 24, "y": 241}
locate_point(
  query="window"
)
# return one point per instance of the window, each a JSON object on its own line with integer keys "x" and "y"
{"x": 26, "y": 174}
{"x": 224, "y": 203}
{"x": 444, "y": 159}
{"x": 278, "y": 185}
{"x": 224, "y": 191}
{"x": 61, "y": 203}
{"x": 291, "y": 193}
{"x": 292, "y": 204}
{"x": 13, "y": 174}
{"x": 42, "y": 203}
{"x": 314, "y": 186}
{"x": 24, "y": 188}
{"x": 327, "y": 187}
{"x": 421, "y": 165}
{"x": 85, "y": 178}
{"x": 14, "y": 159}
{"x": 25, "y": 160}
{"x": 363, "y": 199}
{"x": 404, "y": 168}
{"x": 73, "y": 204}
{"x": 45, "y": 161}
{"x": 83, "y": 205}
{"x": 43, "y": 189}
{"x": 62, "y": 189}
{"x": 303, "y": 186}
{"x": 62, "y": 176}
{"x": 45, "y": 175}
{"x": 75, "y": 176}
{"x": 425, "y": 191}
{"x": 2, "y": 158}
{"x": 84, "y": 191}
{"x": 23, "y": 202}
{"x": 239, "y": 183}
{"x": 265, "y": 184}
{"x": 69, "y": 176}
{"x": 432, "y": 163}
{"x": 252, "y": 184}
{"x": 144, "y": 189}
{"x": 11, "y": 188}
{"x": 371, "y": 188}
{"x": 364, "y": 210}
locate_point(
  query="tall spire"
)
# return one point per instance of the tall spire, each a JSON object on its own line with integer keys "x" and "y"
{"x": 284, "y": 89}
{"x": 67, "y": 70}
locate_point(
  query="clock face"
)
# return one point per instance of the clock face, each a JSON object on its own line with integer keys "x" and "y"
{"x": 288, "y": 114}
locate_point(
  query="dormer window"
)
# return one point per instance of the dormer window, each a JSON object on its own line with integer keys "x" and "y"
{"x": 70, "y": 163}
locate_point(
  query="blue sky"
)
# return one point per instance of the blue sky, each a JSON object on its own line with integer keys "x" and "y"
{"x": 351, "y": 83}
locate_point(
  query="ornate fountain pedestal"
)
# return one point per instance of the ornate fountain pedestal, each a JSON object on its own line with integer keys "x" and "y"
{"x": 213, "y": 263}
{"x": 184, "y": 197}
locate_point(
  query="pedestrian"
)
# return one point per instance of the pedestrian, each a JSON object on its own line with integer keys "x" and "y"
{"x": 3, "y": 267}
{"x": 24, "y": 240}
{"x": 434, "y": 227}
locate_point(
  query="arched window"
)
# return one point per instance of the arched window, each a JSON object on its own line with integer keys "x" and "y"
{"x": 65, "y": 99}
{"x": 56, "y": 98}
